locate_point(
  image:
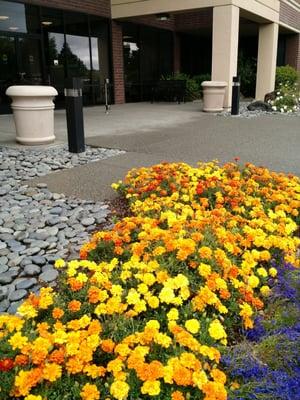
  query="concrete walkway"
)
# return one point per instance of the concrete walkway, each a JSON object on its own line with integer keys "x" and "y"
{"x": 160, "y": 132}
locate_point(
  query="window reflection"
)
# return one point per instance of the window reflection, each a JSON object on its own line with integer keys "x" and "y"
{"x": 19, "y": 18}
{"x": 77, "y": 54}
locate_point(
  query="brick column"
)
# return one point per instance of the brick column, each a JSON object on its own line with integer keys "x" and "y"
{"x": 118, "y": 63}
{"x": 292, "y": 55}
{"x": 177, "y": 53}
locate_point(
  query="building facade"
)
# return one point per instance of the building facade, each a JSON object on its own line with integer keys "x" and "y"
{"x": 135, "y": 42}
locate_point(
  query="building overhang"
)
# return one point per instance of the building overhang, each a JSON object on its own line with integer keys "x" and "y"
{"x": 267, "y": 10}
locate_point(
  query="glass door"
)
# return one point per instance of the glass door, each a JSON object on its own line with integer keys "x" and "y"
{"x": 20, "y": 64}
{"x": 29, "y": 60}
{"x": 8, "y": 70}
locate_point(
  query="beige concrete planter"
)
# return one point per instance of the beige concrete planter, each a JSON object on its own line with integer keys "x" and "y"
{"x": 33, "y": 110}
{"x": 213, "y": 95}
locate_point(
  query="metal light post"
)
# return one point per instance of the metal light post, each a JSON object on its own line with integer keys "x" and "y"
{"x": 74, "y": 112}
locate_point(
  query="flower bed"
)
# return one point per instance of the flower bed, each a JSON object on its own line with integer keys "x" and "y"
{"x": 153, "y": 303}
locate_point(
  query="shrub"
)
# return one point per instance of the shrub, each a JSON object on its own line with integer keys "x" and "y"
{"x": 247, "y": 67}
{"x": 286, "y": 75}
{"x": 193, "y": 89}
{"x": 287, "y": 99}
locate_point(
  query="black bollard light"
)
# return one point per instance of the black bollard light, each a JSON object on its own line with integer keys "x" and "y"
{"x": 235, "y": 104}
{"x": 74, "y": 112}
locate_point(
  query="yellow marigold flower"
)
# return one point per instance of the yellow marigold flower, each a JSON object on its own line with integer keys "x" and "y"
{"x": 192, "y": 325}
{"x": 60, "y": 263}
{"x": 119, "y": 390}
{"x": 273, "y": 272}
{"x": 153, "y": 324}
{"x": 17, "y": 341}
{"x": 90, "y": 392}
{"x": 216, "y": 330}
{"x": 253, "y": 281}
{"x": 33, "y": 397}
{"x": 199, "y": 378}
{"x": 204, "y": 270}
{"x": 153, "y": 301}
{"x": 133, "y": 297}
{"x": 52, "y": 372}
{"x": 151, "y": 387}
{"x": 167, "y": 295}
{"x": 262, "y": 272}
{"x": 265, "y": 290}
{"x": 173, "y": 314}
{"x": 149, "y": 279}
{"x": 27, "y": 310}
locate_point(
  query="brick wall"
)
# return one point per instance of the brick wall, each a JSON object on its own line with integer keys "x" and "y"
{"x": 151, "y": 20}
{"x": 292, "y": 55}
{"x": 118, "y": 62}
{"x": 95, "y": 7}
{"x": 191, "y": 21}
{"x": 289, "y": 15}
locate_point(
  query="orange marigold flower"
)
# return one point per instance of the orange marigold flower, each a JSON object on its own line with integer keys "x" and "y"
{"x": 74, "y": 284}
{"x": 57, "y": 313}
{"x": 74, "y": 305}
{"x": 177, "y": 395}
{"x": 107, "y": 345}
{"x": 90, "y": 392}
{"x": 57, "y": 356}
{"x": 21, "y": 360}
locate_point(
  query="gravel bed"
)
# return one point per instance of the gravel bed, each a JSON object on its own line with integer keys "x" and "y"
{"x": 245, "y": 113}
{"x": 38, "y": 226}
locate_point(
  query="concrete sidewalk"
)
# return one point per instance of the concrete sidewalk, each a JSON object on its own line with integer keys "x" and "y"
{"x": 270, "y": 140}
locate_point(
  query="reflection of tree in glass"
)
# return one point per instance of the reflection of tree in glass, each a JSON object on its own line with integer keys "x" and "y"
{"x": 52, "y": 48}
{"x": 73, "y": 61}
{"x": 131, "y": 61}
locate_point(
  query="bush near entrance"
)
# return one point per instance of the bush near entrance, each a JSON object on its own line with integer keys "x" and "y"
{"x": 155, "y": 302}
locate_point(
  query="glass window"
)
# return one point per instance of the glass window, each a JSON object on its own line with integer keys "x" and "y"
{"x": 18, "y": 18}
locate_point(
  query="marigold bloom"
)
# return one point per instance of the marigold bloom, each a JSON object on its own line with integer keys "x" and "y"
{"x": 74, "y": 305}
{"x": 90, "y": 392}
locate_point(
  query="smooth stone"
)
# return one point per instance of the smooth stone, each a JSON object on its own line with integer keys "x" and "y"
{"x": 88, "y": 221}
{"x": 13, "y": 308}
{"x": 26, "y": 283}
{"x": 4, "y": 305}
{"x": 6, "y": 278}
{"x": 3, "y": 268}
{"x": 3, "y": 292}
{"x": 17, "y": 295}
{"x": 3, "y": 245}
{"x": 49, "y": 275}
{"x": 56, "y": 210}
{"x": 31, "y": 251}
{"x": 38, "y": 260}
{"x": 32, "y": 270}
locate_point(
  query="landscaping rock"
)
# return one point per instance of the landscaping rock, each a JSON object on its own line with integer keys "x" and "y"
{"x": 49, "y": 275}
{"x": 36, "y": 226}
{"x": 260, "y": 106}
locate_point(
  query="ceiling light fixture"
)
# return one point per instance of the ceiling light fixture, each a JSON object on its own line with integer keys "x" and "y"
{"x": 163, "y": 17}
{"x": 13, "y": 28}
{"x": 4, "y": 17}
{"x": 47, "y": 23}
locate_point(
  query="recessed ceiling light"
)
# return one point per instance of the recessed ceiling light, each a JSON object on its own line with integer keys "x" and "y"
{"x": 47, "y": 23}
{"x": 3, "y": 17}
{"x": 163, "y": 17}
{"x": 13, "y": 28}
